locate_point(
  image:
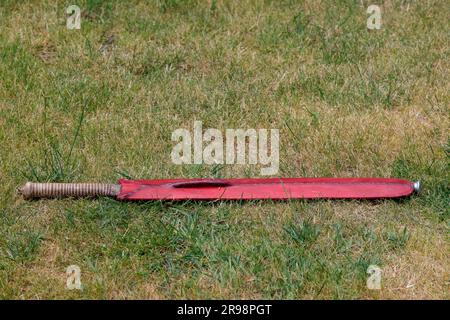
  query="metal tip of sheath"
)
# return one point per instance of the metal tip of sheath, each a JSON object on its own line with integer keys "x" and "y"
{"x": 416, "y": 186}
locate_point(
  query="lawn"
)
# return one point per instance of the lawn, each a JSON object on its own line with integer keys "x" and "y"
{"x": 100, "y": 103}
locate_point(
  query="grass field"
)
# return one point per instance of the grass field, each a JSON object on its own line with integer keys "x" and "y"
{"x": 100, "y": 103}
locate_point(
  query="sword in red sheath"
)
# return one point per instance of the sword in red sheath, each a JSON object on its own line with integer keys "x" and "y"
{"x": 229, "y": 189}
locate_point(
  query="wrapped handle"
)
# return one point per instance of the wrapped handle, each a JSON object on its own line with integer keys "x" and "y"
{"x": 63, "y": 190}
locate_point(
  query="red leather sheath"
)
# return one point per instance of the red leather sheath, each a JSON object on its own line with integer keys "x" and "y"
{"x": 272, "y": 188}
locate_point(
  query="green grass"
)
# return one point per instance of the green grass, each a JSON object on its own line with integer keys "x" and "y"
{"x": 100, "y": 103}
